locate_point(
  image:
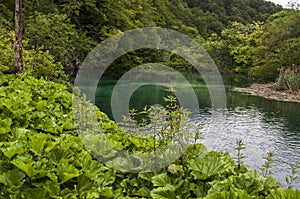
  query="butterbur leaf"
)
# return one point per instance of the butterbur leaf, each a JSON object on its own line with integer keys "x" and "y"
{"x": 34, "y": 193}
{"x": 144, "y": 192}
{"x": 104, "y": 149}
{"x": 52, "y": 176}
{"x": 52, "y": 188}
{"x": 48, "y": 124}
{"x": 232, "y": 194}
{"x": 128, "y": 183}
{"x": 251, "y": 181}
{"x": 5, "y": 125}
{"x": 204, "y": 168}
{"x": 66, "y": 172}
{"x": 166, "y": 192}
{"x": 37, "y": 143}
{"x": 173, "y": 168}
{"x": 107, "y": 192}
{"x": 13, "y": 148}
{"x": 199, "y": 189}
{"x": 107, "y": 178}
{"x": 26, "y": 167}
{"x": 50, "y": 146}
{"x": 87, "y": 188}
{"x": 92, "y": 168}
{"x": 84, "y": 183}
{"x": 284, "y": 193}
{"x": 146, "y": 176}
{"x": 69, "y": 194}
{"x": 271, "y": 183}
{"x": 12, "y": 178}
{"x": 161, "y": 180}
{"x": 219, "y": 186}
{"x": 19, "y": 132}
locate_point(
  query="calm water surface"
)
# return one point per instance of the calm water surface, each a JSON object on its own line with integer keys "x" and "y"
{"x": 263, "y": 125}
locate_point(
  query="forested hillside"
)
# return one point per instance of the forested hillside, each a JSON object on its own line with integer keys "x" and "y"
{"x": 60, "y": 34}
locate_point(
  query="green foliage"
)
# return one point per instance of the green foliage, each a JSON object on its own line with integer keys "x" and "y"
{"x": 264, "y": 73}
{"x": 283, "y": 193}
{"x": 289, "y": 79}
{"x": 233, "y": 193}
{"x": 208, "y": 167}
{"x": 242, "y": 11}
{"x": 41, "y": 156}
{"x": 54, "y": 33}
{"x": 66, "y": 31}
{"x": 279, "y": 45}
{"x": 240, "y": 156}
{"x": 37, "y": 62}
{"x": 269, "y": 160}
{"x": 233, "y": 51}
{"x": 293, "y": 177}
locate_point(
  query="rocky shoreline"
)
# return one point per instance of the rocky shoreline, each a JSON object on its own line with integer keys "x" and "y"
{"x": 268, "y": 91}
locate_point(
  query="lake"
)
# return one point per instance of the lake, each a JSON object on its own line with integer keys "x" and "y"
{"x": 263, "y": 125}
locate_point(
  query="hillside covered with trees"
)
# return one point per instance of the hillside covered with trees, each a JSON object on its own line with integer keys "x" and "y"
{"x": 66, "y": 31}
{"x": 255, "y": 38}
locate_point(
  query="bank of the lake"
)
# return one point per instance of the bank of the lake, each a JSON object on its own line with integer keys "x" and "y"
{"x": 269, "y": 91}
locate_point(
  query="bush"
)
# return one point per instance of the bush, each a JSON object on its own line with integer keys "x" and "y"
{"x": 289, "y": 79}
{"x": 264, "y": 73}
{"x": 38, "y": 63}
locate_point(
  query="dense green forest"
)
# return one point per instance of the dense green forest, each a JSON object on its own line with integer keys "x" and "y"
{"x": 42, "y": 154}
{"x": 255, "y": 38}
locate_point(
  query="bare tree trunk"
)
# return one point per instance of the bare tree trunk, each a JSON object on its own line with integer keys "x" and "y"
{"x": 18, "y": 68}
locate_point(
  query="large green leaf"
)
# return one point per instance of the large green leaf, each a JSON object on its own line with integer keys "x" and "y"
{"x": 232, "y": 194}
{"x": 166, "y": 192}
{"x": 25, "y": 166}
{"x": 13, "y": 148}
{"x": 161, "y": 180}
{"x": 66, "y": 172}
{"x": 34, "y": 193}
{"x": 92, "y": 168}
{"x": 209, "y": 166}
{"x": 87, "y": 188}
{"x": 5, "y": 125}
{"x": 12, "y": 178}
{"x": 52, "y": 188}
{"x": 37, "y": 143}
{"x": 284, "y": 193}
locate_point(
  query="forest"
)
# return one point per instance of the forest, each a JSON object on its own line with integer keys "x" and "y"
{"x": 42, "y": 154}
{"x": 255, "y": 38}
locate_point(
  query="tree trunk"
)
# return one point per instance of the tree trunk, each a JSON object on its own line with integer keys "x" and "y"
{"x": 18, "y": 68}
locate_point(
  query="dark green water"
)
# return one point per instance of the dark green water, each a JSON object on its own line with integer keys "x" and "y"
{"x": 264, "y": 125}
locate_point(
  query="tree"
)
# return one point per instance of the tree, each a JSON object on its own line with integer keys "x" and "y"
{"x": 279, "y": 47}
{"x": 18, "y": 68}
{"x": 18, "y": 65}
{"x": 294, "y": 4}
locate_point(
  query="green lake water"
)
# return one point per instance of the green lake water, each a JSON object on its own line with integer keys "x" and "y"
{"x": 263, "y": 125}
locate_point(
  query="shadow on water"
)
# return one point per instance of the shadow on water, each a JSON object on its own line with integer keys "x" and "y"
{"x": 264, "y": 125}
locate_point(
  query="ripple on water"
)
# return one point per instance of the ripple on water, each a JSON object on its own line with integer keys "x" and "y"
{"x": 261, "y": 133}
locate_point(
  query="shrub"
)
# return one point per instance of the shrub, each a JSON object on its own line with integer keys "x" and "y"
{"x": 264, "y": 73}
{"x": 289, "y": 78}
{"x": 38, "y": 63}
